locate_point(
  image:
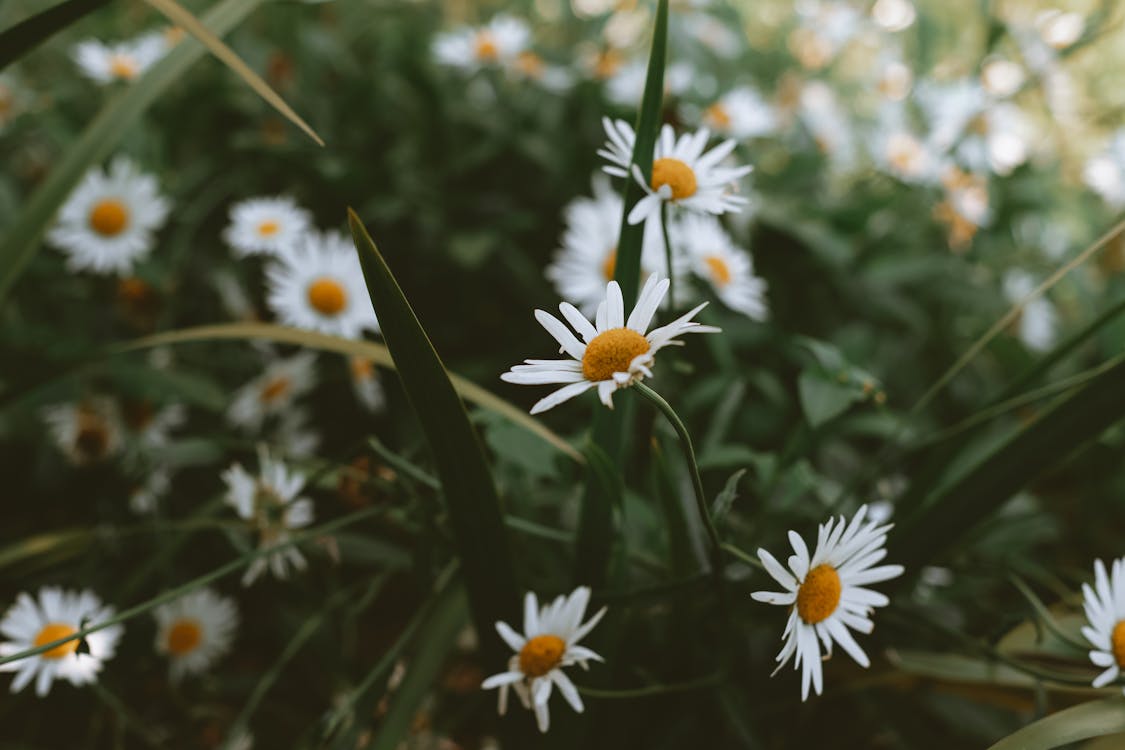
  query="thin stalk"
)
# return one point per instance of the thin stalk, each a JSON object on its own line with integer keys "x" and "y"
{"x": 659, "y": 689}
{"x": 753, "y": 562}
{"x": 668, "y": 255}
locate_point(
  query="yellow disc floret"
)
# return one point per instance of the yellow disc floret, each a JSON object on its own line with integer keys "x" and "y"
{"x": 52, "y": 632}
{"x": 274, "y": 390}
{"x": 486, "y": 48}
{"x": 676, "y": 175}
{"x": 612, "y": 351}
{"x": 1117, "y": 641}
{"x": 609, "y": 265}
{"x": 819, "y": 595}
{"x": 184, "y": 637}
{"x": 327, "y": 296}
{"x": 123, "y": 67}
{"x": 268, "y": 228}
{"x": 717, "y": 115}
{"x": 720, "y": 271}
{"x": 541, "y": 654}
{"x": 109, "y": 217}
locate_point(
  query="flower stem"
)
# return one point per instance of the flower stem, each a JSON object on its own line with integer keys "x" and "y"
{"x": 668, "y": 256}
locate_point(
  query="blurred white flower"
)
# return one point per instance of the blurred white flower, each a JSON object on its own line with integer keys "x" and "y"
{"x": 741, "y": 113}
{"x": 265, "y": 226}
{"x": 125, "y": 61}
{"x": 86, "y": 432}
{"x": 1104, "y": 603}
{"x": 626, "y": 85}
{"x": 1038, "y": 322}
{"x": 999, "y": 141}
{"x": 294, "y": 436}
{"x": 499, "y": 42}
{"x": 714, "y": 34}
{"x": 1105, "y": 171}
{"x": 949, "y": 108}
{"x": 194, "y": 630}
{"x": 365, "y": 383}
{"x": 893, "y": 15}
{"x": 727, "y": 269}
{"x": 1060, "y": 29}
{"x": 145, "y": 497}
{"x": 108, "y": 222}
{"x": 828, "y": 123}
{"x": 273, "y": 392}
{"x": 1002, "y": 77}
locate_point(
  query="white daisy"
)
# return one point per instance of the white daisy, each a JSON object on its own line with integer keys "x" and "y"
{"x": 57, "y": 614}
{"x": 194, "y": 630}
{"x": 318, "y": 285}
{"x": 741, "y": 113}
{"x": 269, "y": 502}
{"x": 124, "y": 61}
{"x": 107, "y": 223}
{"x": 272, "y": 392}
{"x": 587, "y": 259}
{"x": 826, "y": 594}
{"x": 150, "y": 427}
{"x": 86, "y": 432}
{"x": 499, "y": 42}
{"x": 265, "y": 226}
{"x": 548, "y": 644}
{"x": 616, "y": 353}
{"x": 365, "y": 383}
{"x": 729, "y": 270}
{"x": 682, "y": 174}
{"x": 1038, "y": 323}
{"x": 1105, "y": 610}
{"x": 626, "y": 84}
{"x": 293, "y": 435}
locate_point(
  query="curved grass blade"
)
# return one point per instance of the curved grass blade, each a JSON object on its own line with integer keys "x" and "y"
{"x": 376, "y": 353}
{"x": 1082, "y": 722}
{"x": 180, "y": 16}
{"x": 17, "y": 41}
{"x": 470, "y": 495}
{"x": 22, "y": 238}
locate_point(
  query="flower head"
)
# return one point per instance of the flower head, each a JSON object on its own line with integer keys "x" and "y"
{"x": 727, "y": 269}
{"x": 265, "y": 226}
{"x": 86, "y": 432}
{"x": 614, "y": 353}
{"x": 548, "y": 644}
{"x": 273, "y": 392}
{"x": 499, "y": 42}
{"x": 825, "y": 592}
{"x": 741, "y": 113}
{"x": 1105, "y": 610}
{"x": 107, "y": 223}
{"x": 56, "y": 614}
{"x": 195, "y": 630}
{"x": 682, "y": 173}
{"x": 124, "y": 61}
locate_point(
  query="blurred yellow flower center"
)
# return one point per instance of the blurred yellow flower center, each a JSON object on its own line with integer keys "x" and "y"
{"x": 274, "y": 390}
{"x": 541, "y": 654}
{"x": 720, "y": 271}
{"x": 92, "y": 440}
{"x": 609, "y": 265}
{"x": 327, "y": 296}
{"x": 268, "y": 228}
{"x": 717, "y": 115}
{"x": 123, "y": 67}
{"x": 362, "y": 369}
{"x": 184, "y": 637}
{"x": 819, "y": 595}
{"x": 530, "y": 64}
{"x": 1117, "y": 641}
{"x": 108, "y": 217}
{"x": 612, "y": 351}
{"x": 486, "y": 47}
{"x": 52, "y": 632}
{"x": 676, "y": 175}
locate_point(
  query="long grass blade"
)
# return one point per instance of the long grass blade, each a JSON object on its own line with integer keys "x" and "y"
{"x": 1081, "y": 722}
{"x": 17, "y": 41}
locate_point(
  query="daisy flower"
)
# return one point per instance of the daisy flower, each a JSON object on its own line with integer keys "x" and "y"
{"x": 107, "y": 223}
{"x": 269, "y": 502}
{"x": 587, "y": 259}
{"x": 86, "y": 432}
{"x": 741, "y": 113}
{"x": 825, "y": 592}
{"x": 265, "y": 226}
{"x": 57, "y": 614}
{"x": 682, "y": 174}
{"x": 194, "y": 631}
{"x": 548, "y": 644}
{"x": 626, "y": 84}
{"x": 614, "y": 353}
{"x": 124, "y": 61}
{"x": 150, "y": 427}
{"x": 499, "y": 42}
{"x": 365, "y": 383}
{"x": 318, "y": 285}
{"x": 729, "y": 270}
{"x": 273, "y": 392}
{"x": 1105, "y": 610}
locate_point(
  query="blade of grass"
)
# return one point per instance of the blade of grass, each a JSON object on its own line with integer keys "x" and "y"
{"x": 180, "y": 16}
{"x": 1081, "y": 722}
{"x": 18, "y": 40}
{"x": 22, "y": 239}
{"x": 471, "y": 499}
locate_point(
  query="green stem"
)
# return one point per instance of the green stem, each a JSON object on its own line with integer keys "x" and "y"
{"x": 643, "y": 692}
{"x": 668, "y": 255}
{"x": 753, "y": 562}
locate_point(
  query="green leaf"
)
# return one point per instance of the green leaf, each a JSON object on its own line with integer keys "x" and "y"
{"x": 726, "y": 498}
{"x": 17, "y": 41}
{"x": 470, "y": 495}
{"x": 22, "y": 238}
{"x": 824, "y": 398}
{"x": 1093, "y": 719}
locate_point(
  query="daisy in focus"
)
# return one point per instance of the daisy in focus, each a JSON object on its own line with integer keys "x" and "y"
{"x": 682, "y": 173}
{"x": 265, "y": 226}
{"x": 1105, "y": 611}
{"x": 741, "y": 113}
{"x": 86, "y": 432}
{"x": 548, "y": 644}
{"x": 124, "y": 61}
{"x": 613, "y": 354}
{"x": 499, "y": 42}
{"x": 825, "y": 593}
{"x": 107, "y": 223}
{"x": 194, "y": 631}
{"x": 56, "y": 614}
{"x": 318, "y": 285}
{"x": 728, "y": 269}
{"x": 273, "y": 392}
{"x": 271, "y": 504}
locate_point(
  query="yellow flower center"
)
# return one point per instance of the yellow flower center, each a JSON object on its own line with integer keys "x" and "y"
{"x": 123, "y": 67}
{"x": 52, "y": 632}
{"x": 274, "y": 390}
{"x": 676, "y": 175}
{"x": 720, "y": 271}
{"x": 612, "y": 351}
{"x": 1117, "y": 641}
{"x": 541, "y": 654}
{"x": 109, "y": 217}
{"x": 92, "y": 440}
{"x": 362, "y": 369}
{"x": 717, "y": 115}
{"x": 819, "y": 595}
{"x": 530, "y": 64}
{"x": 327, "y": 296}
{"x": 268, "y": 228}
{"x": 609, "y": 265}
{"x": 184, "y": 637}
{"x": 486, "y": 47}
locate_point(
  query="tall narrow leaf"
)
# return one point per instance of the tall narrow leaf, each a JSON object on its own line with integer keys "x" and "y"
{"x": 470, "y": 495}
{"x": 17, "y": 41}
{"x": 1081, "y": 722}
